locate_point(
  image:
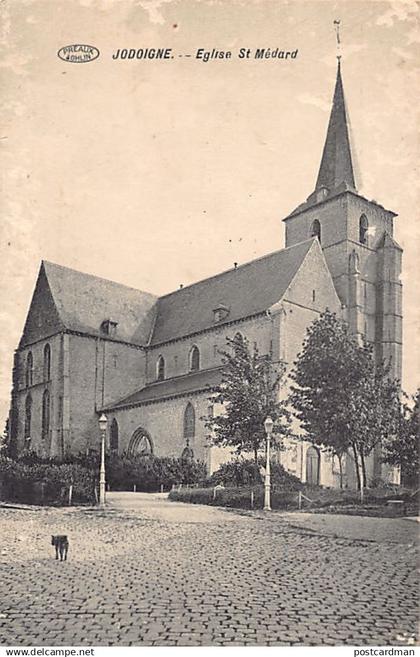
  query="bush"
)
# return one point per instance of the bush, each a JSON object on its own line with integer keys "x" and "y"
{"x": 150, "y": 473}
{"x": 34, "y": 480}
{"x": 242, "y": 472}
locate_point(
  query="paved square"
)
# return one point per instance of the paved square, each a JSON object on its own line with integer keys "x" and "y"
{"x": 149, "y": 572}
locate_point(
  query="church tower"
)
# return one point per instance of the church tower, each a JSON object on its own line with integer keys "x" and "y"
{"x": 356, "y": 236}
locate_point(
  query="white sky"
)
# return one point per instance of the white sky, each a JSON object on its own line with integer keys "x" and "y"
{"x": 158, "y": 173}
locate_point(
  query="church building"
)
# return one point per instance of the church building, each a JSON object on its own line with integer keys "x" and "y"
{"x": 92, "y": 346}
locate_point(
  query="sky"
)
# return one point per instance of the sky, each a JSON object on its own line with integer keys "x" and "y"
{"x": 160, "y": 173}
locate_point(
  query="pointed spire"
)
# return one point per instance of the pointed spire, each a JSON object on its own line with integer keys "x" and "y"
{"x": 336, "y": 169}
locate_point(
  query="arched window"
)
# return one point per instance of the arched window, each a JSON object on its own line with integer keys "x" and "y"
{"x": 160, "y": 368}
{"x": 47, "y": 362}
{"x": 28, "y": 417}
{"x": 239, "y": 343}
{"x": 363, "y": 229}
{"x": 29, "y": 374}
{"x": 194, "y": 359}
{"x": 316, "y": 229}
{"x": 113, "y": 441}
{"x": 45, "y": 414}
{"x": 140, "y": 444}
{"x": 189, "y": 422}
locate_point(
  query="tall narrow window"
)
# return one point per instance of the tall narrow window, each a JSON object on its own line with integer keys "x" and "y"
{"x": 194, "y": 359}
{"x": 363, "y": 229}
{"x": 316, "y": 229}
{"x": 28, "y": 417}
{"x": 47, "y": 362}
{"x": 45, "y": 415}
{"x": 189, "y": 422}
{"x": 160, "y": 368}
{"x": 113, "y": 442}
{"x": 29, "y": 374}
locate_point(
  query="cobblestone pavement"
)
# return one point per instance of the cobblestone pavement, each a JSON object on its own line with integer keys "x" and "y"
{"x": 153, "y": 574}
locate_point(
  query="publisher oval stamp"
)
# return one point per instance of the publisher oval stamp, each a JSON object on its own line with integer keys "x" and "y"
{"x": 78, "y": 53}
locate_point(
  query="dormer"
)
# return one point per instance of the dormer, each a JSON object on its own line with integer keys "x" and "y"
{"x": 109, "y": 327}
{"x": 220, "y": 313}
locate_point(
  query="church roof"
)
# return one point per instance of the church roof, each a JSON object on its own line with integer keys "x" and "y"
{"x": 176, "y": 386}
{"x": 244, "y": 291}
{"x": 336, "y": 166}
{"x": 84, "y": 301}
{"x": 336, "y": 172}
{"x": 387, "y": 241}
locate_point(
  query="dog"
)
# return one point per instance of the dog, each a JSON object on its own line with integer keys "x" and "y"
{"x": 61, "y": 544}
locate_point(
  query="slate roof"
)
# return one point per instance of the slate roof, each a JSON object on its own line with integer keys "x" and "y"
{"x": 336, "y": 173}
{"x": 247, "y": 290}
{"x": 387, "y": 241}
{"x": 83, "y": 302}
{"x": 179, "y": 385}
{"x": 336, "y": 164}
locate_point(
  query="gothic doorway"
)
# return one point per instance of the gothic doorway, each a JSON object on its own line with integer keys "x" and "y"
{"x": 140, "y": 444}
{"x": 312, "y": 466}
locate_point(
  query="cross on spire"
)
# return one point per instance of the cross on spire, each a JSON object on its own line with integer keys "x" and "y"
{"x": 337, "y": 23}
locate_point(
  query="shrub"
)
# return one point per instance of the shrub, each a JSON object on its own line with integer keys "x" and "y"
{"x": 242, "y": 472}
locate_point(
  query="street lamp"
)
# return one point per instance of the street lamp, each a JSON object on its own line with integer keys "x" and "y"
{"x": 268, "y": 426}
{"x": 103, "y": 421}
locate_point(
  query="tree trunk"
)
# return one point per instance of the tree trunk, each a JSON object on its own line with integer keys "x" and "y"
{"x": 256, "y": 469}
{"x": 356, "y": 465}
{"x": 340, "y": 464}
{"x": 256, "y": 455}
{"x": 362, "y": 458}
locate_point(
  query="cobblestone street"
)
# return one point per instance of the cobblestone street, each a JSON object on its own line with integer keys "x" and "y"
{"x": 154, "y": 573}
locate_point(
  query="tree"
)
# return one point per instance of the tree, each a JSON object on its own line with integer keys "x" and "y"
{"x": 343, "y": 400}
{"x": 402, "y": 448}
{"x": 248, "y": 393}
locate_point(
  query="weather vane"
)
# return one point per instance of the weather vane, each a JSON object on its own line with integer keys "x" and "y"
{"x": 337, "y": 33}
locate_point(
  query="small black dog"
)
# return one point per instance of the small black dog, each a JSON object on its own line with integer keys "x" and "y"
{"x": 61, "y": 544}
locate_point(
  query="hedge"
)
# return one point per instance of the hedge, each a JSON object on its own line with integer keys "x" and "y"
{"x": 322, "y": 498}
{"x": 235, "y": 497}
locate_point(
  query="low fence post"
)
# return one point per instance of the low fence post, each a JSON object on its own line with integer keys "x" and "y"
{"x": 252, "y": 499}
{"x": 70, "y": 493}
{"x": 300, "y": 500}
{"x": 134, "y": 488}
{"x": 214, "y": 493}
{"x": 161, "y": 488}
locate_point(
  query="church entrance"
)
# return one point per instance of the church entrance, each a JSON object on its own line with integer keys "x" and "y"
{"x": 140, "y": 444}
{"x": 312, "y": 466}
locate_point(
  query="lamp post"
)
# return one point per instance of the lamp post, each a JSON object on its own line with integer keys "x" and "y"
{"x": 103, "y": 421}
{"x": 268, "y": 426}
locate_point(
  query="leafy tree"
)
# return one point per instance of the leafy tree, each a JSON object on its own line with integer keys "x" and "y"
{"x": 403, "y": 448}
{"x": 248, "y": 393}
{"x": 4, "y": 438}
{"x": 341, "y": 398}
